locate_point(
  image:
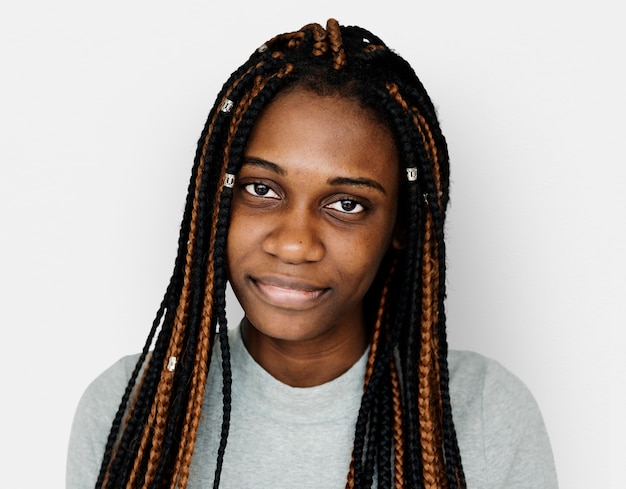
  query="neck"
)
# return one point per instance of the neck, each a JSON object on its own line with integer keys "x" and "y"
{"x": 304, "y": 363}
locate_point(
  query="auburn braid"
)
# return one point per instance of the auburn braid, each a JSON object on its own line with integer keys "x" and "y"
{"x": 398, "y": 436}
{"x": 429, "y": 392}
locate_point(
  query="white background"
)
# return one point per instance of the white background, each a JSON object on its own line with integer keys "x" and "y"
{"x": 101, "y": 105}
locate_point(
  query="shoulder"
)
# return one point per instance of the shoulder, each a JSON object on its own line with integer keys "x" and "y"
{"x": 103, "y": 395}
{"x": 113, "y": 380}
{"x": 92, "y": 422}
{"x": 474, "y": 377}
{"x": 501, "y": 433}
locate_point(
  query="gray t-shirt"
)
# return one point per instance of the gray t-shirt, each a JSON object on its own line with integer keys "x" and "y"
{"x": 286, "y": 437}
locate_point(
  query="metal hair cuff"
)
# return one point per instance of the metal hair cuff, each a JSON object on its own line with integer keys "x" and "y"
{"x": 230, "y": 180}
{"x": 411, "y": 174}
{"x": 227, "y": 106}
{"x": 171, "y": 364}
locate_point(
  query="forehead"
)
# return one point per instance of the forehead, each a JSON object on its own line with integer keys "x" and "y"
{"x": 304, "y": 130}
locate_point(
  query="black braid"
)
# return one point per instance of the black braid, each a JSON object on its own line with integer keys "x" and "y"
{"x": 371, "y": 449}
{"x": 384, "y": 430}
{"x": 407, "y": 309}
{"x": 235, "y": 156}
{"x": 220, "y": 302}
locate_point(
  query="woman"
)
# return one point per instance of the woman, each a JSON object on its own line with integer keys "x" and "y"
{"x": 319, "y": 192}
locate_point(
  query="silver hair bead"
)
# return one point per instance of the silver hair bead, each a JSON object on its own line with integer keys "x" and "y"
{"x": 230, "y": 180}
{"x": 227, "y": 106}
{"x": 171, "y": 364}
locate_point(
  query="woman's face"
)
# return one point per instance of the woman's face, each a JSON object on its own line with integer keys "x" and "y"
{"x": 313, "y": 213}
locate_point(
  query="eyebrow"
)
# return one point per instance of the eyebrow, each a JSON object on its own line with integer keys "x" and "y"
{"x": 264, "y": 164}
{"x": 357, "y": 182}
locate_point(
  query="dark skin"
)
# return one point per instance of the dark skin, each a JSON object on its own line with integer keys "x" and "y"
{"x": 313, "y": 213}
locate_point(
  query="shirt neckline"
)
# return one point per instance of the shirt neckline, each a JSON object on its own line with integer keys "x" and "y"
{"x": 335, "y": 398}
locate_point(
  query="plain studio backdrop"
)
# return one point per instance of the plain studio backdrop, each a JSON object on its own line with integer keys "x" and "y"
{"x": 101, "y": 106}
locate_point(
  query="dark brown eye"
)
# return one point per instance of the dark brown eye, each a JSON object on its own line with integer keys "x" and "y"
{"x": 347, "y": 205}
{"x": 261, "y": 190}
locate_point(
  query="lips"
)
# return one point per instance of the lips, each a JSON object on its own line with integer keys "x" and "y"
{"x": 288, "y": 293}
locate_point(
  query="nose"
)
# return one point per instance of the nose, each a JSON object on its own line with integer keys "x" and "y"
{"x": 294, "y": 238}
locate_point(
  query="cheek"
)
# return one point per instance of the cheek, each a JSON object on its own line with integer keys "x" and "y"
{"x": 235, "y": 242}
{"x": 363, "y": 256}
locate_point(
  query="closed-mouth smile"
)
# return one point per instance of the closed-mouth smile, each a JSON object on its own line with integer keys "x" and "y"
{"x": 287, "y": 292}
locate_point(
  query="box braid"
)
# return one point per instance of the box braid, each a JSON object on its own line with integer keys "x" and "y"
{"x": 404, "y": 435}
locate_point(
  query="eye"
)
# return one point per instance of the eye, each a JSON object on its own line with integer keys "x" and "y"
{"x": 347, "y": 206}
{"x": 259, "y": 189}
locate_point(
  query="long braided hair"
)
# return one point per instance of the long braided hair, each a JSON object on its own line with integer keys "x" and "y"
{"x": 404, "y": 435}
